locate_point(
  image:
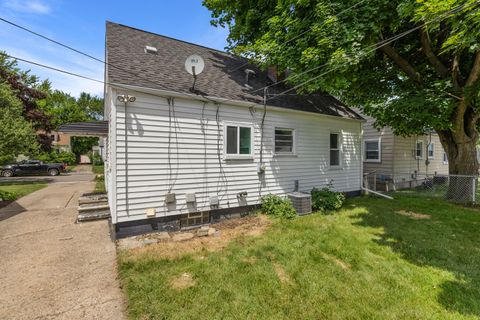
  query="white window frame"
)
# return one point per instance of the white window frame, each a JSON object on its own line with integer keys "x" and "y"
{"x": 445, "y": 158}
{"x": 294, "y": 143}
{"x": 433, "y": 151}
{"x": 421, "y": 150}
{"x": 379, "y": 142}
{"x": 238, "y": 156}
{"x": 340, "y": 145}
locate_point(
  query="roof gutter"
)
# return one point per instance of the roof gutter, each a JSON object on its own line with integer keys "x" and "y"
{"x": 167, "y": 93}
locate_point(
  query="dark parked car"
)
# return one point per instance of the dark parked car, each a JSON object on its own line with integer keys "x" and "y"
{"x": 32, "y": 167}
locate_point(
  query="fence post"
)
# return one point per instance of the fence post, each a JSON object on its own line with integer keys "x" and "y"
{"x": 375, "y": 181}
{"x": 474, "y": 184}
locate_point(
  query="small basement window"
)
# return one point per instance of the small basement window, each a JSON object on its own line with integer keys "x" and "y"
{"x": 419, "y": 150}
{"x": 238, "y": 142}
{"x": 284, "y": 141}
{"x": 372, "y": 150}
{"x": 431, "y": 151}
{"x": 334, "y": 149}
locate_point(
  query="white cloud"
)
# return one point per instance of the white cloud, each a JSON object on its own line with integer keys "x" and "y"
{"x": 29, "y": 6}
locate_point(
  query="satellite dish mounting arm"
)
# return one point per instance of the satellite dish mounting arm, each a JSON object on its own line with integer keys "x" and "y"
{"x": 192, "y": 89}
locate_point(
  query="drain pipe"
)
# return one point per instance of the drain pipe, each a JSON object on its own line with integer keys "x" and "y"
{"x": 125, "y": 99}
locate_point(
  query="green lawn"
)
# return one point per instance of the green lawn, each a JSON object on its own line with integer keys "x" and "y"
{"x": 21, "y": 188}
{"x": 366, "y": 261}
{"x": 97, "y": 169}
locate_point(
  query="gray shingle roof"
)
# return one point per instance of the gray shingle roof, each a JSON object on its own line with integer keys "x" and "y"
{"x": 223, "y": 76}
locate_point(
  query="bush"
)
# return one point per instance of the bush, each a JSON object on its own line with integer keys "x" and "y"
{"x": 58, "y": 157}
{"x": 278, "y": 206}
{"x": 7, "y": 196}
{"x": 97, "y": 159}
{"x": 326, "y": 199}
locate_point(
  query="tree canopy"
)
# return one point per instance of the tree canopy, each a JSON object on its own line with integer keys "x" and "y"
{"x": 424, "y": 80}
{"x": 31, "y": 108}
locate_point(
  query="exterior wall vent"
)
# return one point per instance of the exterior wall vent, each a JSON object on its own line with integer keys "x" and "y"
{"x": 302, "y": 202}
{"x": 150, "y": 49}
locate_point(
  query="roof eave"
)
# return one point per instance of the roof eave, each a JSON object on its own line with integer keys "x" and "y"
{"x": 167, "y": 94}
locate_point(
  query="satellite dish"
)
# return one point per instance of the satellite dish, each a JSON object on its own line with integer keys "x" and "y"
{"x": 194, "y": 64}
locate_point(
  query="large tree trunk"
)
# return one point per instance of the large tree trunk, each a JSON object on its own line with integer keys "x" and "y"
{"x": 460, "y": 144}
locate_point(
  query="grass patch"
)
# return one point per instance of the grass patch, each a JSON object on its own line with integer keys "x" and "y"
{"x": 21, "y": 188}
{"x": 363, "y": 262}
{"x": 97, "y": 169}
{"x": 100, "y": 184}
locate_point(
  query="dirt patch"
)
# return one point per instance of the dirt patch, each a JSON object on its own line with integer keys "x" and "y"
{"x": 335, "y": 260}
{"x": 185, "y": 280}
{"x": 281, "y": 273}
{"x": 226, "y": 231}
{"x": 413, "y": 215}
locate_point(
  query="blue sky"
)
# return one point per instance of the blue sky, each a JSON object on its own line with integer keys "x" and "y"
{"x": 81, "y": 24}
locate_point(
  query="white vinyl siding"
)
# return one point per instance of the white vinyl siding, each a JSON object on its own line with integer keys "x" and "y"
{"x": 142, "y": 165}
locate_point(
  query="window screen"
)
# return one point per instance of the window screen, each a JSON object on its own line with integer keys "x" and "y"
{"x": 283, "y": 140}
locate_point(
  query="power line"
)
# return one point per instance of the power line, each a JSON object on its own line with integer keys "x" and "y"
{"x": 375, "y": 45}
{"x": 76, "y": 50}
{"x": 52, "y": 68}
{"x": 383, "y": 43}
{"x": 304, "y": 32}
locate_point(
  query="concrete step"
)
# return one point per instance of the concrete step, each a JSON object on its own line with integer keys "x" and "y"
{"x": 92, "y": 207}
{"x": 83, "y": 201}
{"x": 93, "y": 215}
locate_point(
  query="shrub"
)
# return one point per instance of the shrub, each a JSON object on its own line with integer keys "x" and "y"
{"x": 97, "y": 159}
{"x": 58, "y": 157}
{"x": 278, "y": 206}
{"x": 7, "y": 196}
{"x": 326, "y": 199}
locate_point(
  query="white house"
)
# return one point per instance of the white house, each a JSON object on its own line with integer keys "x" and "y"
{"x": 180, "y": 156}
{"x": 392, "y": 161}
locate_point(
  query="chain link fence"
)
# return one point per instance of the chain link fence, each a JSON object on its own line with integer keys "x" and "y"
{"x": 456, "y": 188}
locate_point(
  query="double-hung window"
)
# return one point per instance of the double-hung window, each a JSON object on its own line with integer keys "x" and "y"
{"x": 431, "y": 151}
{"x": 238, "y": 141}
{"x": 335, "y": 150}
{"x": 372, "y": 150}
{"x": 284, "y": 141}
{"x": 445, "y": 158}
{"x": 419, "y": 150}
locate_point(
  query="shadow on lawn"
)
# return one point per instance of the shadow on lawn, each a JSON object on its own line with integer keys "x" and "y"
{"x": 449, "y": 240}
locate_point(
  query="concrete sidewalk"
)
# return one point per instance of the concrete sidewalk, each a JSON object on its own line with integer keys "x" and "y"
{"x": 51, "y": 267}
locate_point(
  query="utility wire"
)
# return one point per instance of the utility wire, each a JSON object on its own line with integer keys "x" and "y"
{"x": 376, "y": 46}
{"x": 77, "y": 51}
{"x": 304, "y": 32}
{"x": 382, "y": 43}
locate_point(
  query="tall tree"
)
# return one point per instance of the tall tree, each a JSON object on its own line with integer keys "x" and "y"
{"x": 31, "y": 92}
{"x": 425, "y": 80}
{"x": 17, "y": 135}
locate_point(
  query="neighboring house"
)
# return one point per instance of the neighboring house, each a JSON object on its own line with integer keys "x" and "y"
{"x": 397, "y": 162}
{"x": 60, "y": 140}
{"x": 181, "y": 156}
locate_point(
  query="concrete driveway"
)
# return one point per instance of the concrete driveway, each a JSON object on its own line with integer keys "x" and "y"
{"x": 51, "y": 267}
